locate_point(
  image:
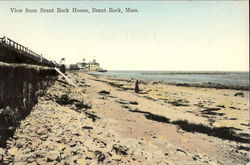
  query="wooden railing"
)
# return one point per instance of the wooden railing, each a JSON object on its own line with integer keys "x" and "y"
{"x": 41, "y": 60}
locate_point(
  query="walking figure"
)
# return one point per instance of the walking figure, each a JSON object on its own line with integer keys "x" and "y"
{"x": 137, "y": 86}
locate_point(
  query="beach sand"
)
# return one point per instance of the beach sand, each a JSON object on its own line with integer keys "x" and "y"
{"x": 103, "y": 121}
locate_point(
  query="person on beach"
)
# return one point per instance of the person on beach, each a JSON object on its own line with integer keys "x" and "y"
{"x": 63, "y": 68}
{"x": 137, "y": 86}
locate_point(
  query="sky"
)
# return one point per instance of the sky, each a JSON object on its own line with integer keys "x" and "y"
{"x": 162, "y": 35}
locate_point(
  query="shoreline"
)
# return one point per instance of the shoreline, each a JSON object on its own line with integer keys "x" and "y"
{"x": 199, "y": 85}
{"x": 213, "y": 85}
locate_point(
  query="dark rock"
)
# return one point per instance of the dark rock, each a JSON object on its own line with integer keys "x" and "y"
{"x": 87, "y": 127}
{"x": 82, "y": 105}
{"x": 125, "y": 106}
{"x": 197, "y": 157}
{"x": 100, "y": 156}
{"x": 103, "y": 92}
{"x": 239, "y": 94}
{"x": 121, "y": 150}
{"x": 133, "y": 102}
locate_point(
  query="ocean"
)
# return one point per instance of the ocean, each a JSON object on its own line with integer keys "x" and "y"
{"x": 189, "y": 77}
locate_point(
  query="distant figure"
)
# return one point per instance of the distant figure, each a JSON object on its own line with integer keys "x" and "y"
{"x": 63, "y": 68}
{"x": 137, "y": 86}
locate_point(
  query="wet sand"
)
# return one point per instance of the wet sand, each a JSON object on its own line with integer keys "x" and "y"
{"x": 104, "y": 121}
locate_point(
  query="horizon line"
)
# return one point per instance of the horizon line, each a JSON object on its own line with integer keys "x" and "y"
{"x": 181, "y": 70}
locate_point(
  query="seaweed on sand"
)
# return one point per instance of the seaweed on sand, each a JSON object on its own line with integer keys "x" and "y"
{"x": 177, "y": 103}
{"x": 115, "y": 84}
{"x": 65, "y": 100}
{"x": 226, "y": 133}
{"x": 211, "y": 111}
{"x": 91, "y": 115}
{"x": 152, "y": 116}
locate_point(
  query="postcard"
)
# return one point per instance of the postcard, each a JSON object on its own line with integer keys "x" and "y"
{"x": 124, "y": 82}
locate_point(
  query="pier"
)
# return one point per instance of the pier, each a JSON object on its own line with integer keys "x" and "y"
{"x": 13, "y": 52}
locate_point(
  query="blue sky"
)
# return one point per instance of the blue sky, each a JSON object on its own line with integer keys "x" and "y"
{"x": 163, "y": 35}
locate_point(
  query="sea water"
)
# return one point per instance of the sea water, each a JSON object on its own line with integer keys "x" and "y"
{"x": 190, "y": 77}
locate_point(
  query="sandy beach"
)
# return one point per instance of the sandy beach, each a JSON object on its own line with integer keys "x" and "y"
{"x": 103, "y": 121}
